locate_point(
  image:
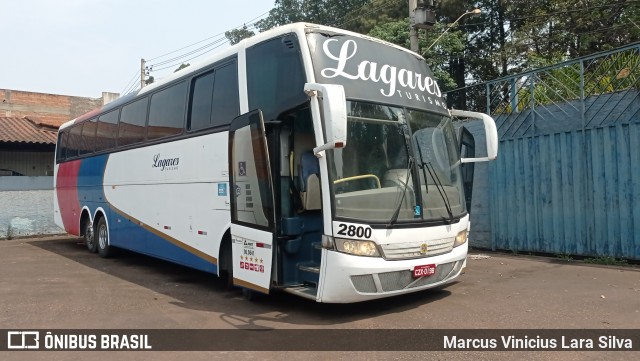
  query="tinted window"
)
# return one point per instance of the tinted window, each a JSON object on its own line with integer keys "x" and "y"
{"x": 74, "y": 140}
{"x": 166, "y": 113}
{"x": 275, "y": 77}
{"x": 88, "y": 137}
{"x": 132, "y": 119}
{"x": 201, "y": 102}
{"x": 226, "y": 105}
{"x": 107, "y": 131}
{"x": 214, "y": 100}
{"x": 61, "y": 150}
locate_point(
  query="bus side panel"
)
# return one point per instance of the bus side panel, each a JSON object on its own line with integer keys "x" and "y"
{"x": 171, "y": 200}
{"x": 67, "y": 196}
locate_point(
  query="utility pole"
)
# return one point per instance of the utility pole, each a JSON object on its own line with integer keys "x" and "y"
{"x": 142, "y": 72}
{"x": 413, "y": 32}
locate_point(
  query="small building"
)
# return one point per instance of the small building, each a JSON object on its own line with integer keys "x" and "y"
{"x": 26, "y": 146}
{"x": 28, "y": 125}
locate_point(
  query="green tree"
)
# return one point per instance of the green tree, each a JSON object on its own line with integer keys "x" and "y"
{"x": 451, "y": 44}
{"x": 237, "y": 35}
{"x": 182, "y": 66}
{"x": 324, "y": 12}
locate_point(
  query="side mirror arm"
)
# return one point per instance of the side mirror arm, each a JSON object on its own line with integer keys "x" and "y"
{"x": 490, "y": 130}
{"x": 335, "y": 112}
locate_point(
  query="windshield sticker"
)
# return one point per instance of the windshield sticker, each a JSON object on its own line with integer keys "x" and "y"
{"x": 418, "y": 211}
{"x": 373, "y": 71}
{"x": 368, "y": 71}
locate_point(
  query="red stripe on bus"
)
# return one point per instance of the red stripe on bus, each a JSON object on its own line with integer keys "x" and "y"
{"x": 67, "y": 192}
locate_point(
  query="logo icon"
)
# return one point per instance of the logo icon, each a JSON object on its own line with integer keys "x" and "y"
{"x": 23, "y": 340}
{"x": 424, "y": 248}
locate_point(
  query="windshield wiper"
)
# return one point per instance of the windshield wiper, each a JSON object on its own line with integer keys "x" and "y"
{"x": 439, "y": 186}
{"x": 394, "y": 217}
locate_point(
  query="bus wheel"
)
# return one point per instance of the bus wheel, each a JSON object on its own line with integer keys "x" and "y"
{"x": 102, "y": 235}
{"x": 227, "y": 263}
{"x": 89, "y": 237}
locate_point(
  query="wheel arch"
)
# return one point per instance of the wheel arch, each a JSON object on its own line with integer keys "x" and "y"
{"x": 223, "y": 246}
{"x": 101, "y": 213}
{"x": 85, "y": 216}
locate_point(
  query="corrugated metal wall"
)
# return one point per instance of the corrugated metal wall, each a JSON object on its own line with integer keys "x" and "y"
{"x": 567, "y": 177}
{"x": 569, "y": 193}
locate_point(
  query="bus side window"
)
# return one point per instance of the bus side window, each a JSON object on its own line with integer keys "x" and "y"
{"x": 166, "y": 112}
{"x": 88, "y": 137}
{"x": 132, "y": 121}
{"x": 107, "y": 131}
{"x": 226, "y": 105}
{"x": 74, "y": 140}
{"x": 61, "y": 151}
{"x": 214, "y": 99}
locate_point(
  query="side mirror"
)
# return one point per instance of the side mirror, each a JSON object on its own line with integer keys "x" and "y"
{"x": 490, "y": 130}
{"x": 334, "y": 109}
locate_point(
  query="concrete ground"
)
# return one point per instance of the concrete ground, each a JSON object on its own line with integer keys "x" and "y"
{"x": 54, "y": 283}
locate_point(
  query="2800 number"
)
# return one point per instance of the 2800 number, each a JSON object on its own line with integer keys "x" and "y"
{"x": 351, "y": 230}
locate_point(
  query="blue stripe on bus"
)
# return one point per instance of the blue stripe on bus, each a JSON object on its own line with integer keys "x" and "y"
{"x": 125, "y": 233}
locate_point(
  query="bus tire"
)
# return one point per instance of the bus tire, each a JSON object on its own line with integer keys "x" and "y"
{"x": 89, "y": 237}
{"x": 101, "y": 234}
{"x": 227, "y": 266}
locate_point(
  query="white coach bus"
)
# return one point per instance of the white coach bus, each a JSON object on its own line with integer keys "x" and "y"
{"x": 307, "y": 159}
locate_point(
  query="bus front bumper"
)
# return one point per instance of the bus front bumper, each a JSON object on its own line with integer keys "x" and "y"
{"x": 347, "y": 278}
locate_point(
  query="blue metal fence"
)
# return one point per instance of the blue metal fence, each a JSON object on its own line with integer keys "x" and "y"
{"x": 567, "y": 177}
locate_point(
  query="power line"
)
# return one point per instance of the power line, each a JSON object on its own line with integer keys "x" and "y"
{"x": 220, "y": 42}
{"x": 186, "y": 54}
{"x": 219, "y": 39}
{"x": 582, "y": 10}
{"x": 186, "y": 60}
{"x": 382, "y": 6}
{"x": 133, "y": 79}
{"x": 209, "y": 38}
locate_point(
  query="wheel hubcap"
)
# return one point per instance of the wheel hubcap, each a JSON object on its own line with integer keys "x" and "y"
{"x": 102, "y": 236}
{"x": 89, "y": 234}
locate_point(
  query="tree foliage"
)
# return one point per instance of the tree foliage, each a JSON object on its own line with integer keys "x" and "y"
{"x": 507, "y": 38}
{"x": 237, "y": 35}
{"x": 182, "y": 66}
{"x": 448, "y": 45}
{"x": 324, "y": 12}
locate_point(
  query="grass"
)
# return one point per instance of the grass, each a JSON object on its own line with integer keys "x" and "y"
{"x": 606, "y": 260}
{"x": 564, "y": 257}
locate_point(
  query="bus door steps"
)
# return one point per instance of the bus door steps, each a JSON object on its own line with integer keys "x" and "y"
{"x": 316, "y": 249}
{"x": 313, "y": 268}
{"x": 303, "y": 291}
{"x": 309, "y": 273}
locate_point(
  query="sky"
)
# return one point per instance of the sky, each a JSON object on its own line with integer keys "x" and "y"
{"x": 86, "y": 47}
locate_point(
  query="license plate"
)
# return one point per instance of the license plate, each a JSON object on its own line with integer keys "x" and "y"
{"x": 424, "y": 270}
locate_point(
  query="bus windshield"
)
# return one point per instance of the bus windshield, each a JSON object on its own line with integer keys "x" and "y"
{"x": 396, "y": 160}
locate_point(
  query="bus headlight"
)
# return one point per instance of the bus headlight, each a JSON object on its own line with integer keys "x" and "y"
{"x": 461, "y": 238}
{"x": 356, "y": 247}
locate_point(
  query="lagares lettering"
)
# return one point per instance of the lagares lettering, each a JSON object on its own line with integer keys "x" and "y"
{"x": 166, "y": 163}
{"x": 369, "y": 71}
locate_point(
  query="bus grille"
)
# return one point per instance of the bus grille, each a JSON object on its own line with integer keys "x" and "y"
{"x": 408, "y": 250}
{"x": 399, "y": 280}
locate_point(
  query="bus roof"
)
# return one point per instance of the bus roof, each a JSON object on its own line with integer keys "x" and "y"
{"x": 300, "y": 28}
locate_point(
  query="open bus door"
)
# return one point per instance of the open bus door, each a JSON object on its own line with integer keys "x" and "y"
{"x": 252, "y": 203}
